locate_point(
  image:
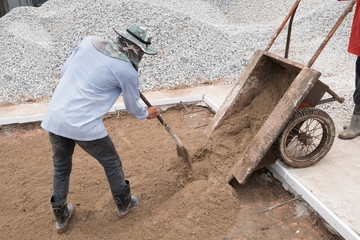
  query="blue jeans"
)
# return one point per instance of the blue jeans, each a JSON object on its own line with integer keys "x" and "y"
{"x": 102, "y": 150}
{"x": 356, "y": 95}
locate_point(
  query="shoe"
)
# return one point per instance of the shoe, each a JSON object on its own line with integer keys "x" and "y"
{"x": 353, "y": 130}
{"x": 125, "y": 202}
{"x": 63, "y": 213}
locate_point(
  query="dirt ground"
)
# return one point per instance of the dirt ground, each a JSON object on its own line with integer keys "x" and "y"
{"x": 176, "y": 202}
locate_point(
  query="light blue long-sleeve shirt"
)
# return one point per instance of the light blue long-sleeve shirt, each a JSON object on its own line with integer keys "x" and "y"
{"x": 91, "y": 82}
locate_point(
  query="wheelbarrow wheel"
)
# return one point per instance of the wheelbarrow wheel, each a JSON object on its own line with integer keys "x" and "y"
{"x": 306, "y": 138}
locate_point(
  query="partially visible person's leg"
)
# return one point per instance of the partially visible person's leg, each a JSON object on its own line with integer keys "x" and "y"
{"x": 356, "y": 95}
{"x": 104, "y": 151}
{"x": 353, "y": 130}
{"x": 63, "y": 149}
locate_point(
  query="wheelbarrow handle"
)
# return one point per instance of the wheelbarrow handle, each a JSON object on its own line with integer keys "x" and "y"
{"x": 331, "y": 33}
{"x": 292, "y": 11}
{"x": 322, "y": 46}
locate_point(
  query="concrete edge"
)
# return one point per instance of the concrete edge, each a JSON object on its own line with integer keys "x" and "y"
{"x": 211, "y": 104}
{"x": 22, "y": 119}
{"x": 114, "y": 108}
{"x": 335, "y": 222}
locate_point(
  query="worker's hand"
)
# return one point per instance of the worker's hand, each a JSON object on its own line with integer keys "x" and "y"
{"x": 153, "y": 112}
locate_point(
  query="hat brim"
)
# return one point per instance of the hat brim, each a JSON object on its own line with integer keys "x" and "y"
{"x": 142, "y": 46}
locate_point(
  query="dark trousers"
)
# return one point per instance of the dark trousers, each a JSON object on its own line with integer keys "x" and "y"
{"x": 102, "y": 150}
{"x": 356, "y": 95}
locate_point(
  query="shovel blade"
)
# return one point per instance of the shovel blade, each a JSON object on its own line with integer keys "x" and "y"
{"x": 182, "y": 152}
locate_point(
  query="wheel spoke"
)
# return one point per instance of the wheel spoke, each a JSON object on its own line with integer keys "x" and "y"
{"x": 318, "y": 137}
{"x": 302, "y": 149}
{"x": 312, "y": 147}
{"x": 291, "y": 148}
{"x": 312, "y": 129}
{"x": 317, "y": 127}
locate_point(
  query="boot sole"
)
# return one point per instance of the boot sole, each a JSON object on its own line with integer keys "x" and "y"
{"x": 348, "y": 138}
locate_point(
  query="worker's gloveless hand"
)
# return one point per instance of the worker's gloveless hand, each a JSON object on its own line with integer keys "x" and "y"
{"x": 153, "y": 112}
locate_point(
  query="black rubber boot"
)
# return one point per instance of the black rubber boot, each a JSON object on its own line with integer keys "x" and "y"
{"x": 125, "y": 202}
{"x": 63, "y": 212}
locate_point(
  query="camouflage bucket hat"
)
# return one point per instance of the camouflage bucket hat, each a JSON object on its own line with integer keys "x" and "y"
{"x": 140, "y": 36}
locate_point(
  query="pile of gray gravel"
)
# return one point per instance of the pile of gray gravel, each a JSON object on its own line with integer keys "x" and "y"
{"x": 198, "y": 40}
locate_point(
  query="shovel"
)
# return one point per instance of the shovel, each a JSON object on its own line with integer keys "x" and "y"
{"x": 180, "y": 149}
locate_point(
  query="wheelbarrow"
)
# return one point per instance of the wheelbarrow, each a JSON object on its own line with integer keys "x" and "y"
{"x": 290, "y": 128}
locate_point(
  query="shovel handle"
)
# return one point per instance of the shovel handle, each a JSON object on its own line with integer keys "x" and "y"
{"x": 149, "y": 105}
{"x": 181, "y": 150}
{"x": 177, "y": 140}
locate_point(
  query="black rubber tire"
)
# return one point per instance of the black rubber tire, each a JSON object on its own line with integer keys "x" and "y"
{"x": 306, "y": 138}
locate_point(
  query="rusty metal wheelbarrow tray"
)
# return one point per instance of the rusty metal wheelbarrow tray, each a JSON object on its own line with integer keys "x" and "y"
{"x": 294, "y": 83}
{"x": 299, "y": 79}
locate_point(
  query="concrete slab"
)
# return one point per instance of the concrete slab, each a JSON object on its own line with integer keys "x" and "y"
{"x": 334, "y": 182}
{"x": 330, "y": 186}
{"x": 334, "y": 178}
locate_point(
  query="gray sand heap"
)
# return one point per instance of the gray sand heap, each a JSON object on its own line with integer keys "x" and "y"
{"x": 198, "y": 40}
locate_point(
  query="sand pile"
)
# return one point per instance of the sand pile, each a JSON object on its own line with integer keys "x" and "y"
{"x": 175, "y": 202}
